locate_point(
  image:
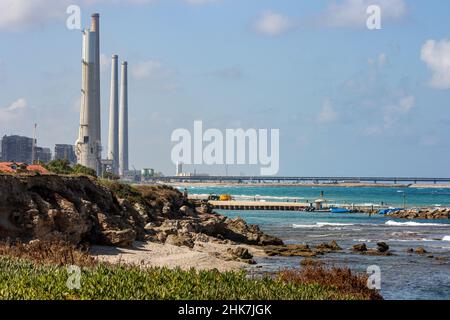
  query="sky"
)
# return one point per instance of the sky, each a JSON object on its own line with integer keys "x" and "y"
{"x": 348, "y": 101}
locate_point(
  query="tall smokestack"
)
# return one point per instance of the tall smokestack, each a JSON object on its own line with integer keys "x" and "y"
{"x": 113, "y": 141}
{"x": 123, "y": 121}
{"x": 95, "y": 28}
{"x": 88, "y": 145}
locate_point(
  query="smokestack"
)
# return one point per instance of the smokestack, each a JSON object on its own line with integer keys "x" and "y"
{"x": 113, "y": 141}
{"x": 88, "y": 145}
{"x": 123, "y": 121}
{"x": 95, "y": 29}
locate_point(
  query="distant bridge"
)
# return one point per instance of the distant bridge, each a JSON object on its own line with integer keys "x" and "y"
{"x": 292, "y": 179}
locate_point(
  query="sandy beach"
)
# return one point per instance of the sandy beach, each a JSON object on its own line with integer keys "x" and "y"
{"x": 203, "y": 256}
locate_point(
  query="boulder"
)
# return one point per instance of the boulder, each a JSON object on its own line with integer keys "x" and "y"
{"x": 420, "y": 250}
{"x": 359, "y": 247}
{"x": 240, "y": 252}
{"x": 382, "y": 247}
{"x": 180, "y": 240}
{"x": 326, "y": 247}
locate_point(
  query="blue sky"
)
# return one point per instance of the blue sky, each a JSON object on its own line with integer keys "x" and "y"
{"x": 347, "y": 100}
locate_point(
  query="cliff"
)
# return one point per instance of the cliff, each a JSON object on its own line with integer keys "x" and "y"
{"x": 79, "y": 209}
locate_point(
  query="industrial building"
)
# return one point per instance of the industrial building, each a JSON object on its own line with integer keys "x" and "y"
{"x": 42, "y": 155}
{"x": 17, "y": 148}
{"x": 65, "y": 152}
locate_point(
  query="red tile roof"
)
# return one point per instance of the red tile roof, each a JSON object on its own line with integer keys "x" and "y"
{"x": 9, "y": 167}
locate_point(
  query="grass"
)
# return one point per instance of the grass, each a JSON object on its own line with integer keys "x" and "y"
{"x": 39, "y": 271}
{"x": 22, "y": 279}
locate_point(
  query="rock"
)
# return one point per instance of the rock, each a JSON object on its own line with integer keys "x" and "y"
{"x": 382, "y": 247}
{"x": 180, "y": 240}
{"x": 240, "y": 252}
{"x": 186, "y": 211}
{"x": 327, "y": 247}
{"x": 149, "y": 226}
{"x": 420, "y": 250}
{"x": 410, "y": 250}
{"x": 290, "y": 250}
{"x": 359, "y": 247}
{"x": 119, "y": 238}
{"x": 308, "y": 262}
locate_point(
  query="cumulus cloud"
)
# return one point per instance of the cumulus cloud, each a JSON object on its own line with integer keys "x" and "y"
{"x": 14, "y": 111}
{"x": 436, "y": 55}
{"x": 273, "y": 24}
{"x": 17, "y": 15}
{"x": 353, "y": 13}
{"x": 392, "y": 113}
{"x": 327, "y": 114}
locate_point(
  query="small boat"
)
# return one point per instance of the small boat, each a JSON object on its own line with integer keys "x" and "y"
{"x": 339, "y": 210}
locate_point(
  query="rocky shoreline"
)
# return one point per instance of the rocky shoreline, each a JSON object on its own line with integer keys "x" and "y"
{"x": 425, "y": 214}
{"x": 85, "y": 211}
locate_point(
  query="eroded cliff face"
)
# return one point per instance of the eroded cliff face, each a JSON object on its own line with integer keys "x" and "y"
{"x": 80, "y": 209}
{"x": 72, "y": 209}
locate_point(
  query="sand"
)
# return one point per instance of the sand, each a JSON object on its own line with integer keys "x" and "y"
{"x": 204, "y": 256}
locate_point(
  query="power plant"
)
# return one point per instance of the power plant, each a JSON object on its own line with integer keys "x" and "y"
{"x": 123, "y": 121}
{"x": 113, "y": 141}
{"x": 88, "y": 147}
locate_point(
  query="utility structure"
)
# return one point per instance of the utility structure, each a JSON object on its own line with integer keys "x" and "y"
{"x": 88, "y": 146}
{"x": 113, "y": 141}
{"x": 123, "y": 121}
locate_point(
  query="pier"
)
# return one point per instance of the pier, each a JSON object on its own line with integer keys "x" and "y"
{"x": 259, "y": 205}
{"x": 293, "y": 179}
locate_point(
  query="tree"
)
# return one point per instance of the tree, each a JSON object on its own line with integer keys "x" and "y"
{"x": 79, "y": 169}
{"x": 60, "y": 166}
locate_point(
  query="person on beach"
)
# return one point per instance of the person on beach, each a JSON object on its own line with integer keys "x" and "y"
{"x": 185, "y": 194}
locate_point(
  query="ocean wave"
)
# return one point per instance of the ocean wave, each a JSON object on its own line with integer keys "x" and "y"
{"x": 446, "y": 238}
{"x": 322, "y": 224}
{"x": 413, "y": 224}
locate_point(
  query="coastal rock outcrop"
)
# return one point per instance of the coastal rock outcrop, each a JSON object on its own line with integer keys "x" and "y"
{"x": 425, "y": 214}
{"x": 80, "y": 209}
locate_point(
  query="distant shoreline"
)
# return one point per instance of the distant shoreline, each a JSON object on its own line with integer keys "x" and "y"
{"x": 313, "y": 185}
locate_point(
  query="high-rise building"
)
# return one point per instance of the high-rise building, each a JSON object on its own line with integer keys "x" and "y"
{"x": 17, "y": 148}
{"x": 65, "y": 152}
{"x": 42, "y": 154}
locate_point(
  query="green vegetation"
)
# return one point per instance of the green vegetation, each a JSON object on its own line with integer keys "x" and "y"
{"x": 64, "y": 167}
{"x": 21, "y": 279}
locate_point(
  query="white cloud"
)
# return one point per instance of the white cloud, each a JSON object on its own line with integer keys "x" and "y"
{"x": 392, "y": 113}
{"x": 150, "y": 69}
{"x": 327, "y": 114}
{"x": 14, "y": 111}
{"x": 273, "y": 23}
{"x": 353, "y": 13}
{"x": 17, "y": 15}
{"x": 436, "y": 55}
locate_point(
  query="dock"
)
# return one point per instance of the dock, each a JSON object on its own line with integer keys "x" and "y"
{"x": 259, "y": 205}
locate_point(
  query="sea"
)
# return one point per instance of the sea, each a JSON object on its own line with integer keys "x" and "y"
{"x": 404, "y": 275}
